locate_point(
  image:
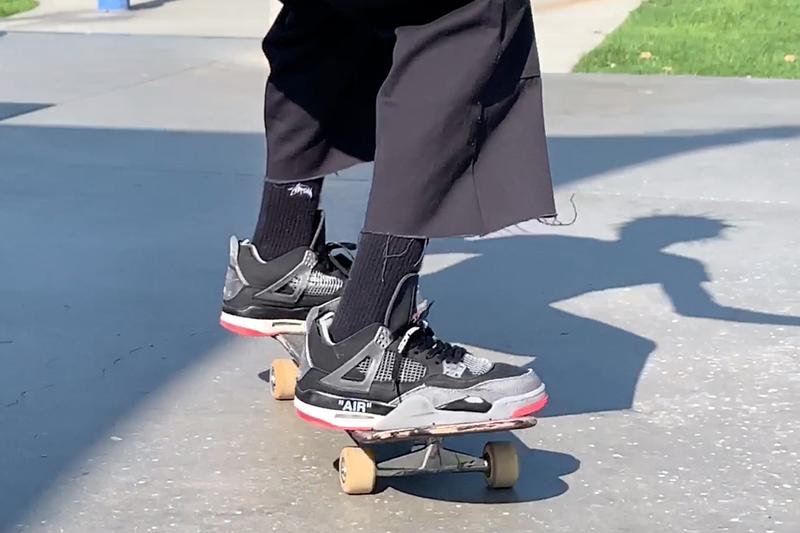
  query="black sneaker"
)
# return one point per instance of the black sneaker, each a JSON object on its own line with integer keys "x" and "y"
{"x": 268, "y": 298}
{"x": 398, "y": 375}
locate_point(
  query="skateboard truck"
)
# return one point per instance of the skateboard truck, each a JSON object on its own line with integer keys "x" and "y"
{"x": 431, "y": 457}
{"x": 358, "y": 469}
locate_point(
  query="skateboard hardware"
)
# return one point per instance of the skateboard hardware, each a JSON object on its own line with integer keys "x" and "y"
{"x": 431, "y": 458}
{"x": 283, "y": 372}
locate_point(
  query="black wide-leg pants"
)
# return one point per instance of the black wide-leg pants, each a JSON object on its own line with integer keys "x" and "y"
{"x": 444, "y": 95}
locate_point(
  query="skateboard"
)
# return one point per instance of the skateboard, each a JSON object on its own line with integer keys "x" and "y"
{"x": 358, "y": 465}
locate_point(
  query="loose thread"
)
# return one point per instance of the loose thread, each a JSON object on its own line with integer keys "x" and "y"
{"x": 556, "y": 222}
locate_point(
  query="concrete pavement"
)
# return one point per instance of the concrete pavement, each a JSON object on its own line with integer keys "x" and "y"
{"x": 198, "y": 18}
{"x": 566, "y": 29}
{"x": 667, "y": 330}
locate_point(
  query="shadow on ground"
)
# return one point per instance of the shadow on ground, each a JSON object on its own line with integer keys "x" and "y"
{"x": 113, "y": 264}
{"x": 540, "y": 473}
{"x": 588, "y": 365}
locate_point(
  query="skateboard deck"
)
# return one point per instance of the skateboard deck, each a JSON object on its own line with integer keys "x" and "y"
{"x": 439, "y": 432}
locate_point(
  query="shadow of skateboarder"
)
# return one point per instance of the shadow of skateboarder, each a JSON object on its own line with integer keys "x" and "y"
{"x": 588, "y": 365}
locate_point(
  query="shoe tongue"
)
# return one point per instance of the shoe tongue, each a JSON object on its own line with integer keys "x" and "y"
{"x": 403, "y": 304}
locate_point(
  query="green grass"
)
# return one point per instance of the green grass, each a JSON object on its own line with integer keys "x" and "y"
{"x": 12, "y": 7}
{"x": 704, "y": 37}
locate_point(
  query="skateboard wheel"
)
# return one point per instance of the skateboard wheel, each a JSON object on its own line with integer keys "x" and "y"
{"x": 503, "y": 465}
{"x": 357, "y": 470}
{"x": 282, "y": 379}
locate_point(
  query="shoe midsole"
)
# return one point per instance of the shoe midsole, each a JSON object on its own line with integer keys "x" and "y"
{"x": 264, "y": 311}
{"x": 415, "y": 412}
{"x": 264, "y": 326}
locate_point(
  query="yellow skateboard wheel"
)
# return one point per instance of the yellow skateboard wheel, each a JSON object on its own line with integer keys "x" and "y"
{"x": 503, "y": 464}
{"x": 282, "y": 379}
{"x": 357, "y": 470}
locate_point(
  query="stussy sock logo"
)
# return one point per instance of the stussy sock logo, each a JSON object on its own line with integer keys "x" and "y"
{"x": 300, "y": 189}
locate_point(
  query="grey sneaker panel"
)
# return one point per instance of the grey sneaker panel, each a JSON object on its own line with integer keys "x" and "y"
{"x": 302, "y": 280}
{"x": 490, "y": 391}
{"x": 377, "y": 345}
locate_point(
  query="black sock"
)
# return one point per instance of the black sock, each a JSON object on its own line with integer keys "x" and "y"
{"x": 288, "y": 217}
{"x": 382, "y": 261}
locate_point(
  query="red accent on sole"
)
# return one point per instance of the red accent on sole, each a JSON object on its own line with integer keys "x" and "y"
{"x": 530, "y": 409}
{"x": 245, "y": 332}
{"x": 323, "y": 424}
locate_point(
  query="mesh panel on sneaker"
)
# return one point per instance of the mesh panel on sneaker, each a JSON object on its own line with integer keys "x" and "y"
{"x": 410, "y": 370}
{"x": 476, "y": 365}
{"x": 319, "y": 284}
{"x": 385, "y": 370}
{"x": 363, "y": 366}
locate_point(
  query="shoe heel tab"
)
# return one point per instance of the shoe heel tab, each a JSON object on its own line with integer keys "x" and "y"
{"x": 320, "y": 311}
{"x": 237, "y": 247}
